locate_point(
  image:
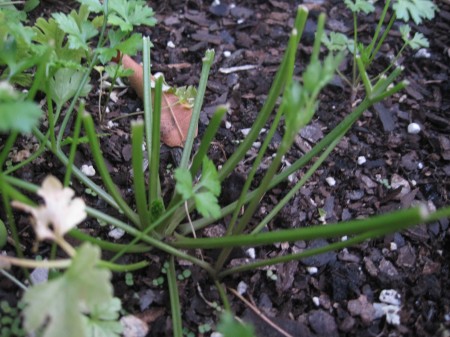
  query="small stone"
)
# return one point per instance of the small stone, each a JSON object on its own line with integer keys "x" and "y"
{"x": 242, "y": 288}
{"x": 116, "y": 233}
{"x": 88, "y": 170}
{"x": 398, "y": 181}
{"x": 330, "y": 181}
{"x": 39, "y": 275}
{"x": 347, "y": 324}
{"x": 362, "y": 308}
{"x": 422, "y": 53}
{"x": 251, "y": 253}
{"x": 393, "y": 246}
{"x": 413, "y": 128}
{"x": 245, "y": 132}
{"x": 133, "y": 326}
{"x": 391, "y": 296}
{"x": 388, "y": 268}
{"x": 227, "y": 53}
{"x": 170, "y": 44}
{"x": 406, "y": 257}
{"x": 361, "y": 160}
{"x": 370, "y": 267}
{"x": 312, "y": 270}
{"x": 322, "y": 323}
{"x": 316, "y": 301}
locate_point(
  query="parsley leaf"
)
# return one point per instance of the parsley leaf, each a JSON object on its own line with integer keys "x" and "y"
{"x": 78, "y": 35}
{"x": 418, "y": 41}
{"x": 64, "y": 85}
{"x": 16, "y": 115}
{"x": 417, "y": 10}
{"x": 357, "y": 6}
{"x": 127, "y": 14}
{"x": 205, "y": 192}
{"x": 83, "y": 289}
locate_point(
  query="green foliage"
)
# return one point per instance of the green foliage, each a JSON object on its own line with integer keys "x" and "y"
{"x": 3, "y": 234}
{"x": 229, "y": 327}
{"x": 15, "y": 113}
{"x": 338, "y": 42}
{"x": 48, "y": 32}
{"x": 417, "y": 10}
{"x": 357, "y": 6}
{"x": 418, "y": 41}
{"x": 84, "y": 289}
{"x": 64, "y": 84}
{"x": 79, "y": 34}
{"x": 127, "y": 14}
{"x": 10, "y": 322}
{"x": 205, "y": 193}
{"x": 119, "y": 41}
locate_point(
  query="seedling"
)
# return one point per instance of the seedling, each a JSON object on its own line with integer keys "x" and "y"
{"x": 129, "y": 279}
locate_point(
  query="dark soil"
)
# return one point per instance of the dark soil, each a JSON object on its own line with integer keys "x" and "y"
{"x": 415, "y": 263}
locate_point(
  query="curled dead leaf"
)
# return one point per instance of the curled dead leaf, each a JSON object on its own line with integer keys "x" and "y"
{"x": 175, "y": 114}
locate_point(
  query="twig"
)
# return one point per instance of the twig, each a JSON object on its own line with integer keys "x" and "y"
{"x": 260, "y": 314}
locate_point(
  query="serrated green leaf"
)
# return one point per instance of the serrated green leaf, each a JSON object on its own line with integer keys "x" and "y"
{"x": 48, "y": 33}
{"x": 129, "y": 46}
{"x": 229, "y": 327}
{"x": 357, "y": 6}
{"x": 337, "y": 42}
{"x": 61, "y": 304}
{"x": 78, "y": 34}
{"x": 418, "y": 41}
{"x": 93, "y": 5}
{"x": 127, "y": 14}
{"x": 184, "y": 183}
{"x": 417, "y": 10}
{"x": 210, "y": 177}
{"x": 207, "y": 204}
{"x": 103, "y": 320}
{"x": 64, "y": 84}
{"x": 16, "y": 115}
{"x": 118, "y": 70}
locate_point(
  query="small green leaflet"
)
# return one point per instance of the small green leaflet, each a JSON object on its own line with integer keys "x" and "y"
{"x": 117, "y": 70}
{"x": 357, "y": 6}
{"x": 118, "y": 41}
{"x": 229, "y": 327}
{"x": 48, "y": 33}
{"x": 337, "y": 42}
{"x": 78, "y": 35}
{"x": 417, "y": 10}
{"x": 63, "y": 303}
{"x": 15, "y": 114}
{"x": 418, "y": 41}
{"x": 205, "y": 192}
{"x": 127, "y": 14}
{"x": 103, "y": 320}
{"x": 64, "y": 84}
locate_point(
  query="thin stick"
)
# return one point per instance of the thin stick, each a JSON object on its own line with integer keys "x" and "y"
{"x": 260, "y": 314}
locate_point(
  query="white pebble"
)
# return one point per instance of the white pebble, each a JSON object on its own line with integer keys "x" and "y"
{"x": 312, "y": 270}
{"x": 227, "y": 53}
{"x": 170, "y": 44}
{"x": 361, "y": 160}
{"x": 240, "y": 21}
{"x": 228, "y": 125}
{"x": 330, "y": 181}
{"x": 116, "y": 233}
{"x": 251, "y": 253}
{"x": 111, "y": 124}
{"x": 420, "y": 165}
{"x": 216, "y": 334}
{"x": 242, "y": 288}
{"x": 245, "y": 131}
{"x": 88, "y": 170}
{"x": 393, "y": 246}
{"x": 413, "y": 128}
{"x": 344, "y": 238}
{"x": 422, "y": 53}
{"x": 390, "y": 296}
{"x": 257, "y": 145}
{"x": 316, "y": 301}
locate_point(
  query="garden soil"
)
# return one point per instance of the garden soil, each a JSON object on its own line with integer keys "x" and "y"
{"x": 378, "y": 167}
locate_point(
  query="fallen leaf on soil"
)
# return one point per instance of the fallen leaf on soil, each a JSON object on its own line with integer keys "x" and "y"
{"x": 175, "y": 115}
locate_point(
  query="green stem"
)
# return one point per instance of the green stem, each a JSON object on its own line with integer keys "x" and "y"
{"x": 175, "y": 307}
{"x": 73, "y": 146}
{"x": 207, "y": 62}
{"x": 396, "y": 220}
{"x": 103, "y": 170}
{"x": 137, "y": 160}
{"x": 377, "y": 30}
{"x": 7, "y": 147}
{"x": 154, "y": 160}
{"x": 383, "y": 37}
